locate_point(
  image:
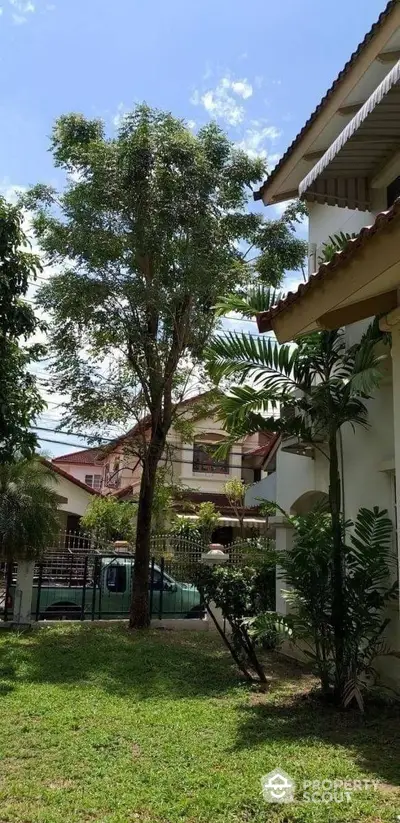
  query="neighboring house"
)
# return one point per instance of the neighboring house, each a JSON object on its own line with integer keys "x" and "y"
{"x": 74, "y": 497}
{"x": 192, "y": 466}
{"x": 86, "y": 466}
{"x": 345, "y": 163}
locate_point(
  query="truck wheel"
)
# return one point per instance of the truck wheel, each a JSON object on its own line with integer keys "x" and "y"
{"x": 62, "y": 611}
{"x": 197, "y": 612}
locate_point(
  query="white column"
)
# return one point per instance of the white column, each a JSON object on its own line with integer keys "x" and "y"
{"x": 215, "y": 557}
{"x": 23, "y": 593}
{"x": 283, "y": 542}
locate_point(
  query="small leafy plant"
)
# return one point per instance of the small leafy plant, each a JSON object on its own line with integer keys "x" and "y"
{"x": 240, "y": 593}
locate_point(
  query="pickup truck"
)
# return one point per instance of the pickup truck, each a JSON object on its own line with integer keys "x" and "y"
{"x": 58, "y": 598}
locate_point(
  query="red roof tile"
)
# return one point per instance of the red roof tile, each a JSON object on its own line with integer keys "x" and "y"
{"x": 85, "y": 457}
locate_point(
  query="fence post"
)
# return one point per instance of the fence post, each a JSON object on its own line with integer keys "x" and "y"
{"x": 161, "y": 587}
{"x": 85, "y": 570}
{"x": 151, "y": 587}
{"x": 9, "y": 571}
{"x": 95, "y": 579}
{"x": 23, "y": 593}
{"x": 39, "y": 592}
{"x": 215, "y": 556}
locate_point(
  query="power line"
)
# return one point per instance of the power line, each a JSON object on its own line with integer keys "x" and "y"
{"x": 106, "y": 440}
{"x": 165, "y": 459}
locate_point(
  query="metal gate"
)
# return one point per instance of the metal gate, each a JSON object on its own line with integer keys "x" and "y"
{"x": 80, "y": 579}
{"x": 87, "y": 581}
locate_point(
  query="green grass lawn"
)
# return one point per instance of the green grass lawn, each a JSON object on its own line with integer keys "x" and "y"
{"x": 101, "y": 725}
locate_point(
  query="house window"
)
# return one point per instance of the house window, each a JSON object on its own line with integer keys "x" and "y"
{"x": 205, "y": 461}
{"x": 94, "y": 481}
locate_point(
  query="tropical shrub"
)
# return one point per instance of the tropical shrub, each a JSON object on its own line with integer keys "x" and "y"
{"x": 308, "y": 570}
{"x": 207, "y": 520}
{"x": 107, "y": 518}
{"x": 323, "y": 384}
{"x": 29, "y": 519}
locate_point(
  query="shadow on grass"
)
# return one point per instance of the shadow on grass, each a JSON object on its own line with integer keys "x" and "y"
{"x": 157, "y": 663}
{"x": 167, "y": 665}
{"x": 373, "y": 738}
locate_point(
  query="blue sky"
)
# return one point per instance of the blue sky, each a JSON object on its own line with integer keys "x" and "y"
{"x": 259, "y": 68}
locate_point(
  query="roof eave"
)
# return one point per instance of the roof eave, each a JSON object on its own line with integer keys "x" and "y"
{"x": 273, "y": 189}
{"x": 329, "y": 299}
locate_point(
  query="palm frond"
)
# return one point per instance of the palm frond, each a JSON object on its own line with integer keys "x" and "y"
{"x": 250, "y": 303}
{"x": 239, "y": 355}
{"x": 366, "y": 373}
{"x": 28, "y": 509}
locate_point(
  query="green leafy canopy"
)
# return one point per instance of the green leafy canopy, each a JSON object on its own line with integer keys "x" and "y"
{"x": 20, "y": 399}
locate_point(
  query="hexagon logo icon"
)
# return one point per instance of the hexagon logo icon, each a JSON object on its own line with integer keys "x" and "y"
{"x": 278, "y": 787}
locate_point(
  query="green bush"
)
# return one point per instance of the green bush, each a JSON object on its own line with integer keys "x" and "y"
{"x": 240, "y": 593}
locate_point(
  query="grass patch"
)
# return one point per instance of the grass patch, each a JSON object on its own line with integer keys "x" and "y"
{"x": 101, "y": 725}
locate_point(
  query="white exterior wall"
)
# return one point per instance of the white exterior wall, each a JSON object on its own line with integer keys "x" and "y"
{"x": 80, "y": 471}
{"x": 77, "y": 499}
{"x": 265, "y": 489}
{"x": 368, "y": 454}
{"x": 367, "y": 451}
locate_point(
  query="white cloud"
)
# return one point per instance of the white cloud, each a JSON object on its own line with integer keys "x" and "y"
{"x": 191, "y": 124}
{"x": 22, "y": 8}
{"x": 273, "y": 159}
{"x": 257, "y": 139}
{"x": 221, "y": 102}
{"x": 243, "y": 88}
{"x": 21, "y": 11}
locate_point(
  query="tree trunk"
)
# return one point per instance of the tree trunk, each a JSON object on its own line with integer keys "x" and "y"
{"x": 139, "y": 613}
{"x": 338, "y": 599}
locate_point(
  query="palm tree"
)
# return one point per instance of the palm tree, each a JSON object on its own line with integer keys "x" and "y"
{"x": 320, "y": 383}
{"x": 28, "y": 509}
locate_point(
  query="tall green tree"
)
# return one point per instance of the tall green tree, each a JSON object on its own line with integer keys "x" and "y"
{"x": 152, "y": 226}
{"x": 20, "y": 399}
{"x": 322, "y": 385}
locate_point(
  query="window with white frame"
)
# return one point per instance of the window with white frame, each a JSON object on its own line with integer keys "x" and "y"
{"x": 93, "y": 480}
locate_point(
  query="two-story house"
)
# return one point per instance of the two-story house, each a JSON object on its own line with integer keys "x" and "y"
{"x": 345, "y": 163}
{"x": 190, "y": 463}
